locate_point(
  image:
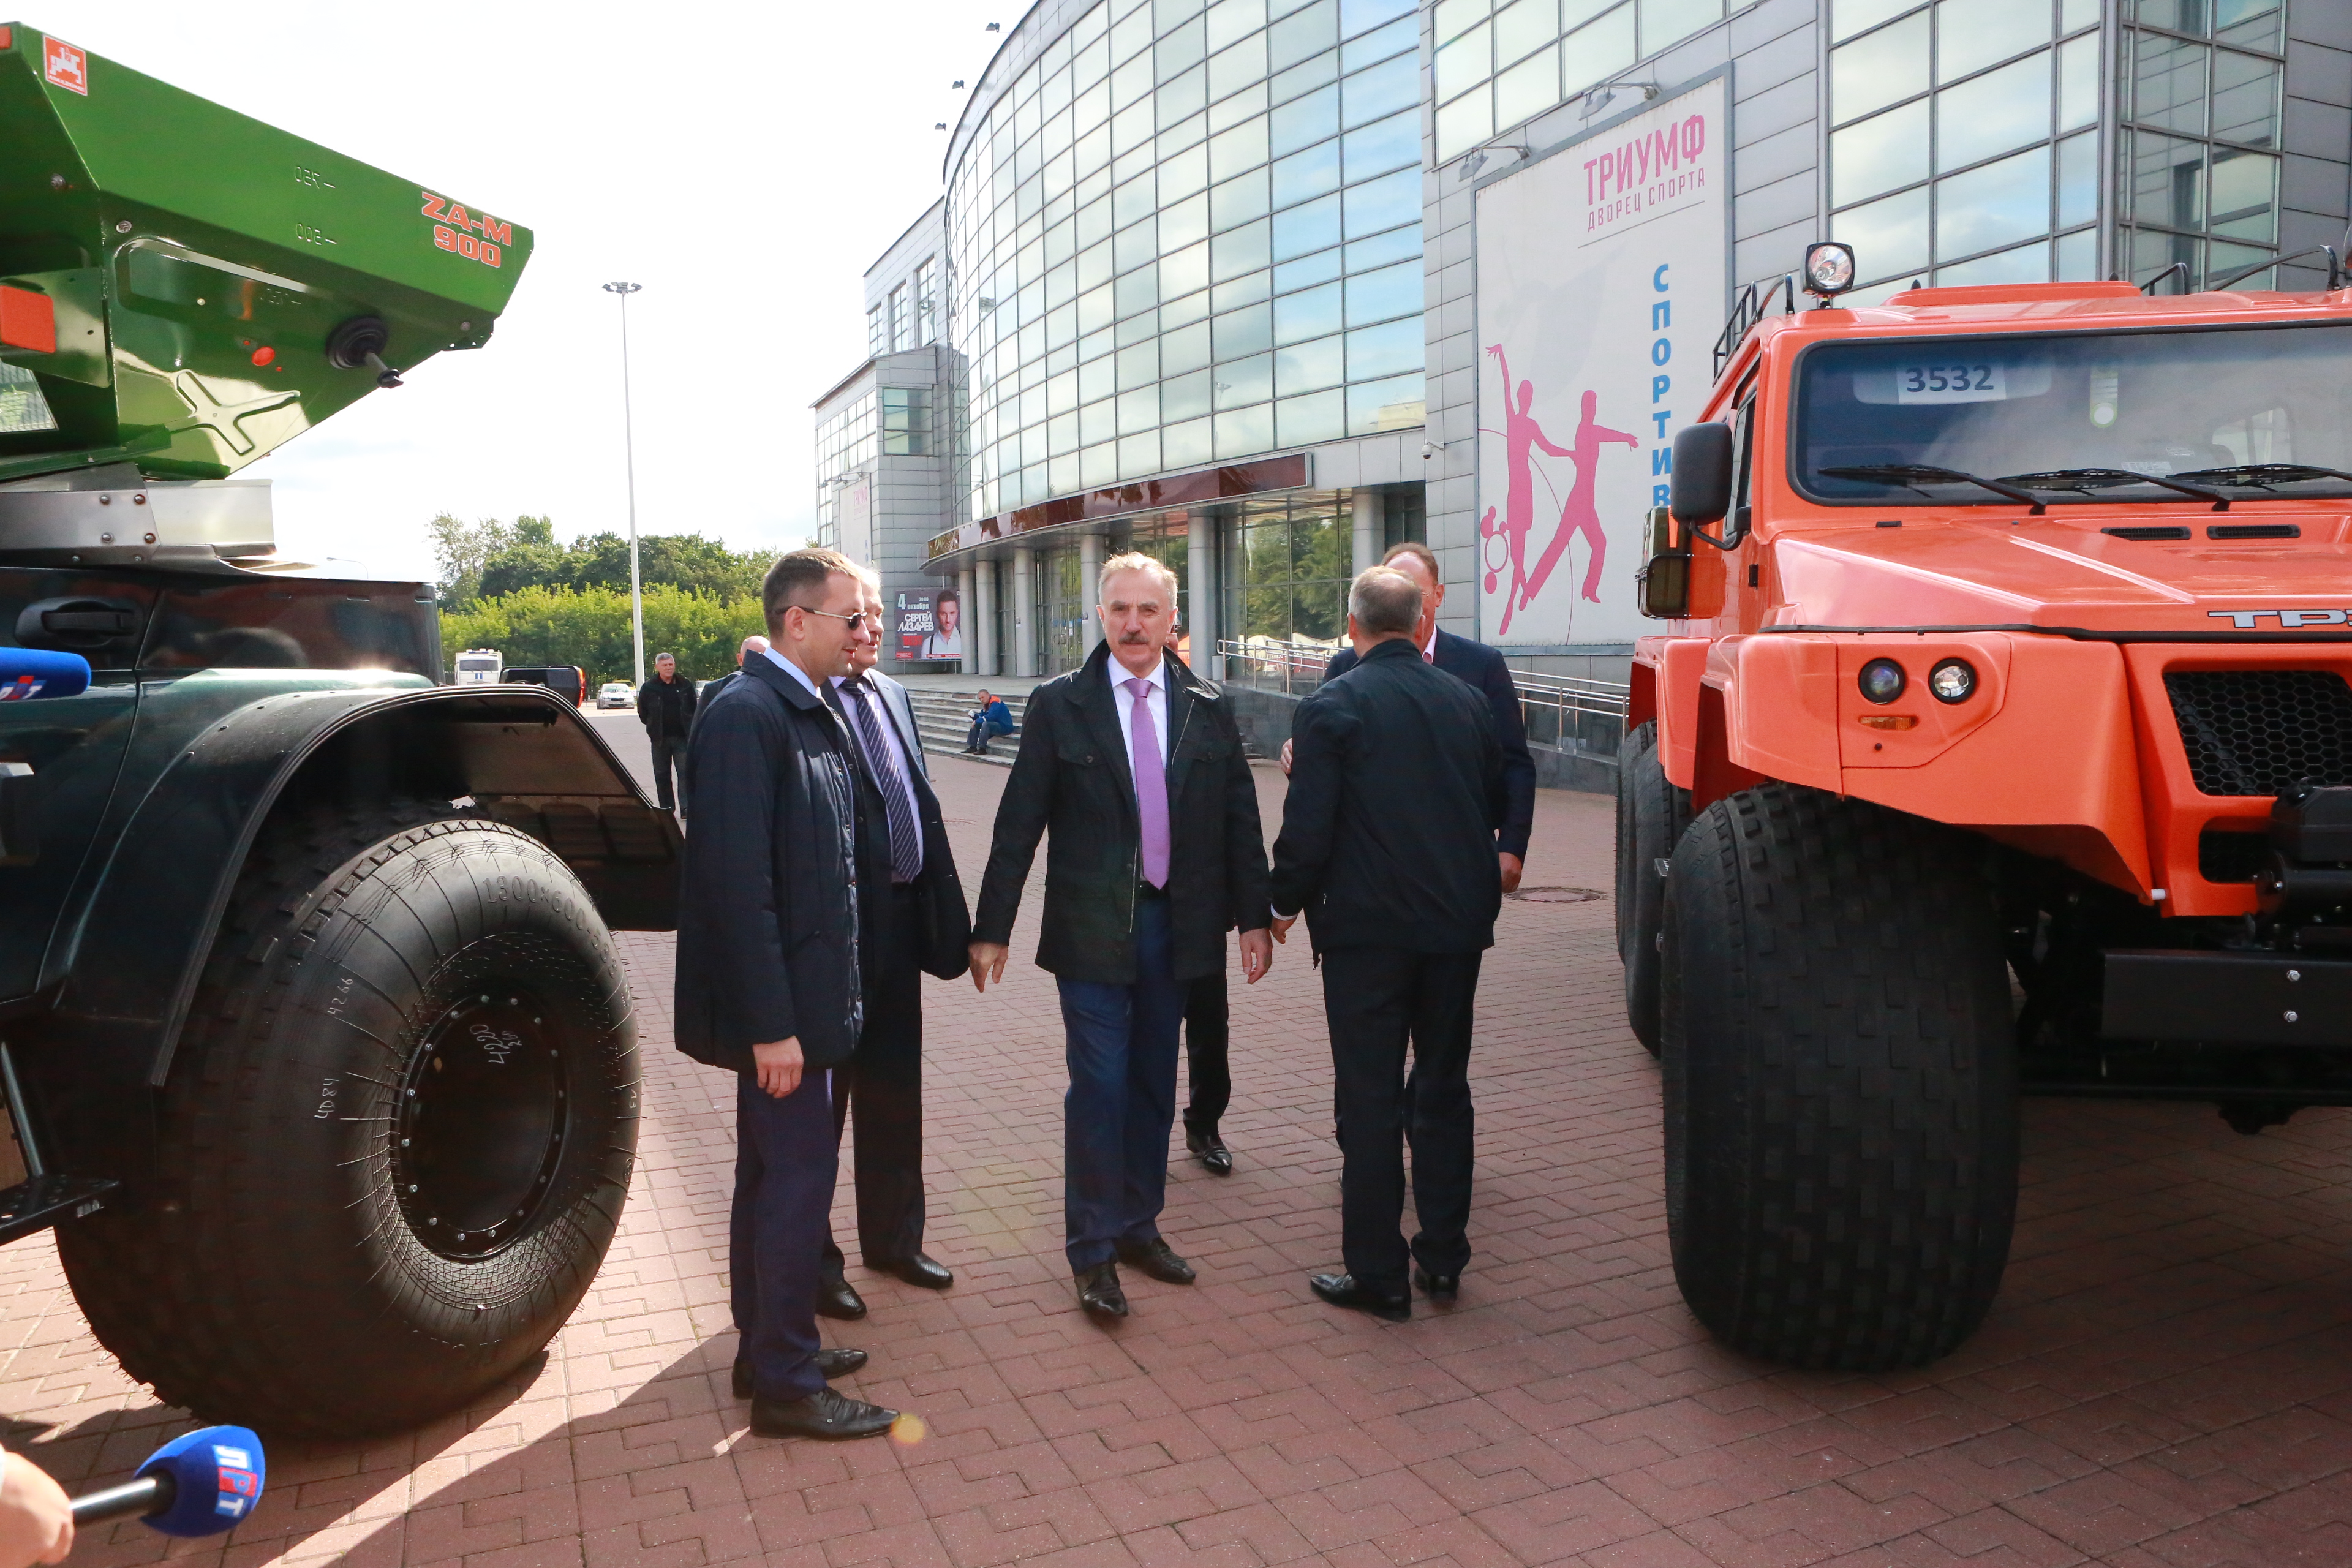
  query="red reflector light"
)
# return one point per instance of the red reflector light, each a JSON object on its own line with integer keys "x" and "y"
{"x": 27, "y": 320}
{"x": 264, "y": 354}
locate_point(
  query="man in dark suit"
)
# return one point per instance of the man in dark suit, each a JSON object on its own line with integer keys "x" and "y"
{"x": 1386, "y": 844}
{"x": 913, "y": 918}
{"x": 1136, "y": 767}
{"x": 1482, "y": 668}
{"x": 710, "y": 689}
{"x": 768, "y": 956}
{"x": 665, "y": 708}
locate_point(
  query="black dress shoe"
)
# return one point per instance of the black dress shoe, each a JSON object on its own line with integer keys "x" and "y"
{"x": 833, "y": 1363}
{"x": 1099, "y": 1293}
{"x": 824, "y": 1413}
{"x": 920, "y": 1269}
{"x": 837, "y": 1297}
{"x": 1441, "y": 1287}
{"x": 1157, "y": 1259}
{"x": 1343, "y": 1291}
{"x": 1211, "y": 1151}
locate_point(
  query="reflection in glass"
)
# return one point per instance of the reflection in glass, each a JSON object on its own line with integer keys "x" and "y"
{"x": 1879, "y": 154}
{"x": 1972, "y": 33}
{"x": 1394, "y": 404}
{"x": 1384, "y": 349}
{"x": 1528, "y": 89}
{"x": 1318, "y": 416}
{"x": 1390, "y": 291}
{"x": 2245, "y": 98}
{"x": 1522, "y": 28}
{"x": 1848, "y": 17}
{"x": 1304, "y": 175}
{"x": 1463, "y": 63}
{"x": 2078, "y": 181}
{"x": 1994, "y": 204}
{"x": 1598, "y": 49}
{"x": 1383, "y": 145}
{"x": 1996, "y": 112}
{"x": 1307, "y": 314}
{"x": 1882, "y": 67}
{"x": 2244, "y": 197}
{"x": 2168, "y": 82}
{"x": 2078, "y": 83}
{"x": 1888, "y": 236}
{"x": 2168, "y": 180}
{"x": 1305, "y": 367}
{"x": 1244, "y": 431}
{"x": 2024, "y": 263}
{"x": 1382, "y": 204}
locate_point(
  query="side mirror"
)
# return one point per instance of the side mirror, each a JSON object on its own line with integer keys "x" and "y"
{"x": 1699, "y": 489}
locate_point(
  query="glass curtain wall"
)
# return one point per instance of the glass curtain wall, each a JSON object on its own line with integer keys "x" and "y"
{"x": 2199, "y": 103}
{"x": 1964, "y": 137}
{"x": 844, "y": 440}
{"x": 1501, "y": 62}
{"x": 1064, "y": 600}
{"x": 1189, "y": 233}
{"x": 1167, "y": 538}
{"x": 1287, "y": 571}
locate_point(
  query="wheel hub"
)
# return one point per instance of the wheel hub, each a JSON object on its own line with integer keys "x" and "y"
{"x": 480, "y": 1122}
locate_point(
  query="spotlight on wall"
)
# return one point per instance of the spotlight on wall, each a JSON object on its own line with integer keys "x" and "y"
{"x": 955, "y": 87}
{"x": 1597, "y": 99}
{"x": 1477, "y": 160}
{"x": 941, "y": 125}
{"x": 991, "y": 27}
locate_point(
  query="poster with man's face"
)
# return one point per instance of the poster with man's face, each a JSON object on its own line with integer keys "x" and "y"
{"x": 1601, "y": 291}
{"x": 931, "y": 625}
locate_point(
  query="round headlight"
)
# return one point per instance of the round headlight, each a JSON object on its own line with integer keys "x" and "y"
{"x": 1954, "y": 681}
{"x": 1828, "y": 269}
{"x": 1882, "y": 681}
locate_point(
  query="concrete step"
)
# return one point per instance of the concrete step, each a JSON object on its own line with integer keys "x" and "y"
{"x": 944, "y": 719}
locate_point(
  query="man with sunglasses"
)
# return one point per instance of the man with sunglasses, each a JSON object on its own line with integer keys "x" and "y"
{"x": 768, "y": 955}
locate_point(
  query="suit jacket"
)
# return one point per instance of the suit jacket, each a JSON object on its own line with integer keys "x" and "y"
{"x": 1396, "y": 789}
{"x": 1072, "y": 776}
{"x": 667, "y": 703}
{"x": 767, "y": 918}
{"x": 1483, "y": 667}
{"x": 944, "y": 917}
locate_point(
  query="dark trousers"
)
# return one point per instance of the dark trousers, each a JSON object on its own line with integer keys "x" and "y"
{"x": 1207, "y": 1032}
{"x": 971, "y": 742}
{"x": 883, "y": 1083}
{"x": 783, "y": 1196}
{"x": 1121, "y": 1042}
{"x": 668, "y": 754}
{"x": 1378, "y": 1001}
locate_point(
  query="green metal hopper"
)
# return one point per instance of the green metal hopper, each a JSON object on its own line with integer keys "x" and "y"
{"x": 184, "y": 288}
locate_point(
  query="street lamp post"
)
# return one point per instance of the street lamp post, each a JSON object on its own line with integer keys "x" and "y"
{"x": 629, "y": 447}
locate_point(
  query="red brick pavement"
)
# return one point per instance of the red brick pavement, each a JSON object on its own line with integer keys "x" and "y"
{"x": 2163, "y": 1384}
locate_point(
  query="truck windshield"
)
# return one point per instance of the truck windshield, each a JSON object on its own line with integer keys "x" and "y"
{"x": 2249, "y": 413}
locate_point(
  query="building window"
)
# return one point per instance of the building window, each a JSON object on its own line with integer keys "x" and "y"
{"x": 902, "y": 320}
{"x": 1500, "y": 63}
{"x": 845, "y": 442}
{"x": 878, "y": 331}
{"x": 926, "y": 311}
{"x": 1964, "y": 142}
{"x": 1288, "y": 569}
{"x": 1064, "y": 600}
{"x": 2199, "y": 103}
{"x": 906, "y": 421}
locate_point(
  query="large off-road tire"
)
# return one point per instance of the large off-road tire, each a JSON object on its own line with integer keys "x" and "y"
{"x": 1650, "y": 817}
{"x": 1840, "y": 1081}
{"x": 395, "y": 1139}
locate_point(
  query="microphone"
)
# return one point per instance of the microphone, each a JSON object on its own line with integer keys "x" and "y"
{"x": 27, "y": 673}
{"x": 200, "y": 1483}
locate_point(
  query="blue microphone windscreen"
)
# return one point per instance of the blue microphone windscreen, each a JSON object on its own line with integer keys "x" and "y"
{"x": 29, "y": 672}
{"x": 218, "y": 1472}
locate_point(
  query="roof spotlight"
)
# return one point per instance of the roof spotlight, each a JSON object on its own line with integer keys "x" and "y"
{"x": 1828, "y": 269}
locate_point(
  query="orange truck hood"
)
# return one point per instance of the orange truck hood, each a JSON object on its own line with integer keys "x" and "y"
{"x": 2063, "y": 573}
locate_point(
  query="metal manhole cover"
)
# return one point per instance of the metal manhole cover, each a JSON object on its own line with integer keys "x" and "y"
{"x": 1556, "y": 895}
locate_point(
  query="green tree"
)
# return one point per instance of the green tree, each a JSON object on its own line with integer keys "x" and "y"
{"x": 542, "y": 624}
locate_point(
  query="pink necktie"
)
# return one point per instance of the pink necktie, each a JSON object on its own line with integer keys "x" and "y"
{"x": 1151, "y": 784}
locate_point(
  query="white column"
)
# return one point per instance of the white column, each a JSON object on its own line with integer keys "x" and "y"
{"x": 1024, "y": 611}
{"x": 983, "y": 616}
{"x": 1090, "y": 560}
{"x": 1368, "y": 528}
{"x": 1200, "y": 579}
{"x": 966, "y": 609}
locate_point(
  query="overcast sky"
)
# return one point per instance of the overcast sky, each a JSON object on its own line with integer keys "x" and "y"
{"x": 744, "y": 162}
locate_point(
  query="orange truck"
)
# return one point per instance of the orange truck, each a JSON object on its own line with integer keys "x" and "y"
{"x": 1998, "y": 743}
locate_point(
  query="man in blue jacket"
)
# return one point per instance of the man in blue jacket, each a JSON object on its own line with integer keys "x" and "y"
{"x": 768, "y": 976}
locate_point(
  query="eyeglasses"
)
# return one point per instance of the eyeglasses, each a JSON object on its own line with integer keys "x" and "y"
{"x": 855, "y": 620}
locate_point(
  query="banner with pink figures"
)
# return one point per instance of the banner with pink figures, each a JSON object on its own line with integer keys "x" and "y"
{"x": 1601, "y": 293}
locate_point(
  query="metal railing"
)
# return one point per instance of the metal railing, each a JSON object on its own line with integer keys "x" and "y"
{"x": 1571, "y": 712}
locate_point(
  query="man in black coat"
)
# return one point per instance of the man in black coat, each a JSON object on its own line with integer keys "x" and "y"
{"x": 1482, "y": 668}
{"x": 1135, "y": 765}
{"x": 767, "y": 945}
{"x": 1386, "y": 844}
{"x": 665, "y": 708}
{"x": 913, "y": 918}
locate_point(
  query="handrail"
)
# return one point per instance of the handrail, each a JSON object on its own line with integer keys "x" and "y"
{"x": 1571, "y": 712}
{"x": 1751, "y": 308}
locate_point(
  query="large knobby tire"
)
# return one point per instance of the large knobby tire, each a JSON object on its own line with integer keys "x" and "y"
{"x": 1840, "y": 1081}
{"x": 1651, "y": 816}
{"x": 396, "y": 1139}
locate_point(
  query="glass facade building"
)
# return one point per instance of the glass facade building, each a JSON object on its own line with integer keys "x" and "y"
{"x": 1203, "y": 277}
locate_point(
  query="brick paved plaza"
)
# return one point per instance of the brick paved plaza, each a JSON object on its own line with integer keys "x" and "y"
{"x": 2164, "y": 1381}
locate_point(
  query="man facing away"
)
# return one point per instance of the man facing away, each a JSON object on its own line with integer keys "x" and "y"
{"x": 665, "y": 708}
{"x": 1386, "y": 844}
{"x": 1482, "y": 668}
{"x": 768, "y": 984}
{"x": 911, "y": 919}
{"x": 1135, "y": 767}
{"x": 749, "y": 646}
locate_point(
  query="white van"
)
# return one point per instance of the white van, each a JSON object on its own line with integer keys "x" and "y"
{"x": 479, "y": 667}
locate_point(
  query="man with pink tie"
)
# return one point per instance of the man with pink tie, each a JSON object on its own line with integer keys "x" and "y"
{"x": 1134, "y": 766}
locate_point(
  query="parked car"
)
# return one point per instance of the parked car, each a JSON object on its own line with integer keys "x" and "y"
{"x": 615, "y": 694}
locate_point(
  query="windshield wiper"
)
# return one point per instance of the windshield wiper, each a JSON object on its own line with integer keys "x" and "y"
{"x": 1911, "y": 476}
{"x": 2089, "y": 479}
{"x": 2263, "y": 475}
